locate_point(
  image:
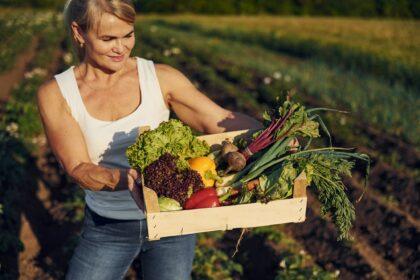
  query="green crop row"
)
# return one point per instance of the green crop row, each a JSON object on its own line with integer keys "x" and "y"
{"x": 389, "y": 49}
{"x": 20, "y": 131}
{"x": 391, "y": 108}
{"x": 213, "y": 261}
{"x": 16, "y": 31}
{"x": 295, "y": 263}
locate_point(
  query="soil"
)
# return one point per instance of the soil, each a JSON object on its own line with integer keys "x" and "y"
{"x": 319, "y": 238}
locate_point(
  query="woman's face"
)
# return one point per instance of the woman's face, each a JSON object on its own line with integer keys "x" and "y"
{"x": 111, "y": 43}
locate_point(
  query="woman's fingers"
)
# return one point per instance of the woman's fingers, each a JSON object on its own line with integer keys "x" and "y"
{"x": 133, "y": 173}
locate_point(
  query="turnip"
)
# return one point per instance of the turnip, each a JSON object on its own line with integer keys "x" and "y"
{"x": 234, "y": 159}
{"x": 228, "y": 147}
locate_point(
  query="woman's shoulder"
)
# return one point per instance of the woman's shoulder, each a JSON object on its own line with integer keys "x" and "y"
{"x": 161, "y": 67}
{"x": 49, "y": 99}
{"x": 48, "y": 86}
{"x": 51, "y": 85}
{"x": 49, "y": 93}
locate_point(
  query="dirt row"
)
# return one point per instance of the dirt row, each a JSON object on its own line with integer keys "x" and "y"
{"x": 10, "y": 78}
{"x": 390, "y": 234}
{"x": 43, "y": 230}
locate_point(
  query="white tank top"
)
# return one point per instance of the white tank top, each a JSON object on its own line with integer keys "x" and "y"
{"x": 107, "y": 140}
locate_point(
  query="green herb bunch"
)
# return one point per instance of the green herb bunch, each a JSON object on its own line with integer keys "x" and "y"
{"x": 324, "y": 172}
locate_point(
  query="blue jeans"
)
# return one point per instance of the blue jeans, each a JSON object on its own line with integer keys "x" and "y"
{"x": 108, "y": 247}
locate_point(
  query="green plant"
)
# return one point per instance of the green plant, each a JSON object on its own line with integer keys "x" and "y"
{"x": 291, "y": 268}
{"x": 212, "y": 263}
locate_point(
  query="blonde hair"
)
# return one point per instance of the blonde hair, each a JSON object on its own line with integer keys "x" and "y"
{"x": 87, "y": 13}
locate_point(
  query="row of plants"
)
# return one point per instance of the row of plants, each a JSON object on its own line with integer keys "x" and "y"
{"x": 17, "y": 30}
{"x": 295, "y": 263}
{"x": 385, "y": 49}
{"x": 286, "y": 258}
{"x": 371, "y": 8}
{"x": 20, "y": 134}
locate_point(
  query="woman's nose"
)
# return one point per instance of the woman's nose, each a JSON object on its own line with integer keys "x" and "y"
{"x": 119, "y": 46}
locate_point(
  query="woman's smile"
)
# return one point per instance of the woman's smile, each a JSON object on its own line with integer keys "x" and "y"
{"x": 117, "y": 58}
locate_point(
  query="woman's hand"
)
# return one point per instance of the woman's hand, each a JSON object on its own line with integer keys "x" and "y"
{"x": 135, "y": 187}
{"x": 133, "y": 178}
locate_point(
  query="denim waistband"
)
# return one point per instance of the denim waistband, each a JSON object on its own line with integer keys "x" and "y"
{"x": 97, "y": 227}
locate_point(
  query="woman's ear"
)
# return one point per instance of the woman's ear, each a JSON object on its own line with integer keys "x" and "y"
{"x": 77, "y": 33}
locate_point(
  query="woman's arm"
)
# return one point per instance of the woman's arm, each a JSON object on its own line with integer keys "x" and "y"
{"x": 194, "y": 108}
{"x": 67, "y": 143}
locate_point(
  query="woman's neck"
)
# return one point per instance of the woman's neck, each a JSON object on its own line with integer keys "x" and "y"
{"x": 91, "y": 72}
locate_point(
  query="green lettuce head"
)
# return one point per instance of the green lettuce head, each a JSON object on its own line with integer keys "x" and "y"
{"x": 169, "y": 137}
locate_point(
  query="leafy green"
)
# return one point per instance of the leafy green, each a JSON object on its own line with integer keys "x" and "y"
{"x": 171, "y": 137}
{"x": 277, "y": 184}
{"x": 244, "y": 196}
{"x": 297, "y": 124}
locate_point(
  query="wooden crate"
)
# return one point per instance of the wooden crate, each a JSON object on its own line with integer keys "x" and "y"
{"x": 162, "y": 224}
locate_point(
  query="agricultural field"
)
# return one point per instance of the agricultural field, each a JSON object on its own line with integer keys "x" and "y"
{"x": 366, "y": 67}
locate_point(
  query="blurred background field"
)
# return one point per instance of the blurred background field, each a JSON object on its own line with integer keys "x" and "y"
{"x": 358, "y": 56}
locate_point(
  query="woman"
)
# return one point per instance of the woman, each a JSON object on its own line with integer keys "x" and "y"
{"x": 91, "y": 113}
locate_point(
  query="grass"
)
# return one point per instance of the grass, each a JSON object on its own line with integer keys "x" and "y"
{"x": 388, "y": 48}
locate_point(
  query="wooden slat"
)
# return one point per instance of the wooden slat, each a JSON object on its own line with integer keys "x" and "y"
{"x": 150, "y": 198}
{"x": 299, "y": 185}
{"x": 224, "y": 218}
{"x": 213, "y": 139}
